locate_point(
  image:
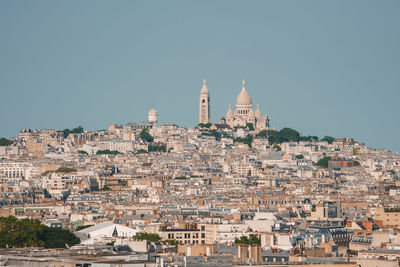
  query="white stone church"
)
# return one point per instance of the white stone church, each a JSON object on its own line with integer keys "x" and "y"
{"x": 242, "y": 115}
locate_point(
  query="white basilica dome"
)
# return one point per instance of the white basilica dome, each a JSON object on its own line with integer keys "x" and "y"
{"x": 152, "y": 116}
{"x": 243, "y": 97}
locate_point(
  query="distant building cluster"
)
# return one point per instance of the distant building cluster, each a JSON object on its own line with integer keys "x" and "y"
{"x": 241, "y": 117}
{"x": 218, "y": 194}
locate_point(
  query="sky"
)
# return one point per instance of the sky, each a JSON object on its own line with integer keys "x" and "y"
{"x": 320, "y": 67}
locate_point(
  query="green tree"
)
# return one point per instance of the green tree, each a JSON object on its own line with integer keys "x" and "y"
{"x": 66, "y": 132}
{"x": 309, "y": 138}
{"x": 242, "y": 240}
{"x": 157, "y": 148}
{"x": 204, "y": 125}
{"x": 250, "y": 126}
{"x": 263, "y": 133}
{"x": 299, "y": 156}
{"x": 105, "y": 188}
{"x": 278, "y": 148}
{"x": 55, "y": 237}
{"x": 172, "y": 242}
{"x": 82, "y": 152}
{"x": 78, "y": 129}
{"x": 147, "y": 236}
{"x": 251, "y": 240}
{"x": 289, "y": 135}
{"x": 247, "y": 140}
{"x": 141, "y": 151}
{"x": 4, "y": 142}
{"x": 107, "y": 152}
{"x": 81, "y": 227}
{"x": 328, "y": 139}
{"x": 323, "y": 162}
{"x": 31, "y": 233}
{"x": 214, "y": 133}
{"x": 145, "y": 136}
{"x": 66, "y": 169}
{"x": 254, "y": 240}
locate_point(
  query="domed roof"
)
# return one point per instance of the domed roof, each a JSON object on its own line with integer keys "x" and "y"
{"x": 258, "y": 113}
{"x": 243, "y": 97}
{"x": 153, "y": 112}
{"x": 230, "y": 114}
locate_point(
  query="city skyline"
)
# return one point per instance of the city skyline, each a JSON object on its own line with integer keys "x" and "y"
{"x": 199, "y": 133}
{"x": 323, "y": 69}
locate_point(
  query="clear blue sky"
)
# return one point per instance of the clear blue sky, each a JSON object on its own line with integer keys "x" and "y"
{"x": 321, "y": 67}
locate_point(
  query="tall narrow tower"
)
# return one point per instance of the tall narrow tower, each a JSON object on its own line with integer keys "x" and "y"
{"x": 204, "y": 109}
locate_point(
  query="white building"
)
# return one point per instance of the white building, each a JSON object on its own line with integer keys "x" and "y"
{"x": 244, "y": 113}
{"x": 103, "y": 232}
{"x": 204, "y": 105}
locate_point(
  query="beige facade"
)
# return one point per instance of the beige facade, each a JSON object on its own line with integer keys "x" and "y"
{"x": 184, "y": 236}
{"x": 244, "y": 113}
{"x": 204, "y": 105}
{"x": 388, "y": 217}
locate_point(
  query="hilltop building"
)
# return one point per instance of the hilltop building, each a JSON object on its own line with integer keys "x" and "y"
{"x": 152, "y": 116}
{"x": 244, "y": 113}
{"x": 204, "y": 109}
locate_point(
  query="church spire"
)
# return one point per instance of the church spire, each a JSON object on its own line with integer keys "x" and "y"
{"x": 204, "y": 89}
{"x": 204, "y": 107}
{"x": 230, "y": 113}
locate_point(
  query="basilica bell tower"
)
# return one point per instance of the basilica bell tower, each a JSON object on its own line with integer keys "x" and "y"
{"x": 204, "y": 108}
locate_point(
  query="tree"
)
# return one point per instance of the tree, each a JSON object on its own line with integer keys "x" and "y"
{"x": 60, "y": 170}
{"x": 328, "y": 139}
{"x": 172, "y": 242}
{"x": 66, "y": 170}
{"x": 55, "y": 237}
{"x": 309, "y": 138}
{"x": 356, "y": 163}
{"x": 81, "y": 227}
{"x": 141, "y": 151}
{"x": 299, "y": 156}
{"x": 278, "y": 148}
{"x": 263, "y": 133}
{"x": 285, "y": 135}
{"x": 82, "y": 152}
{"x": 157, "y": 148}
{"x": 251, "y": 240}
{"x": 4, "y": 142}
{"x": 254, "y": 240}
{"x": 247, "y": 140}
{"x": 147, "y": 236}
{"x": 204, "y": 125}
{"x": 107, "y": 152}
{"x": 31, "y": 233}
{"x": 214, "y": 133}
{"x": 323, "y": 162}
{"x": 289, "y": 135}
{"x": 66, "y": 132}
{"x": 250, "y": 126}
{"x": 106, "y": 188}
{"x": 145, "y": 136}
{"x": 78, "y": 129}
